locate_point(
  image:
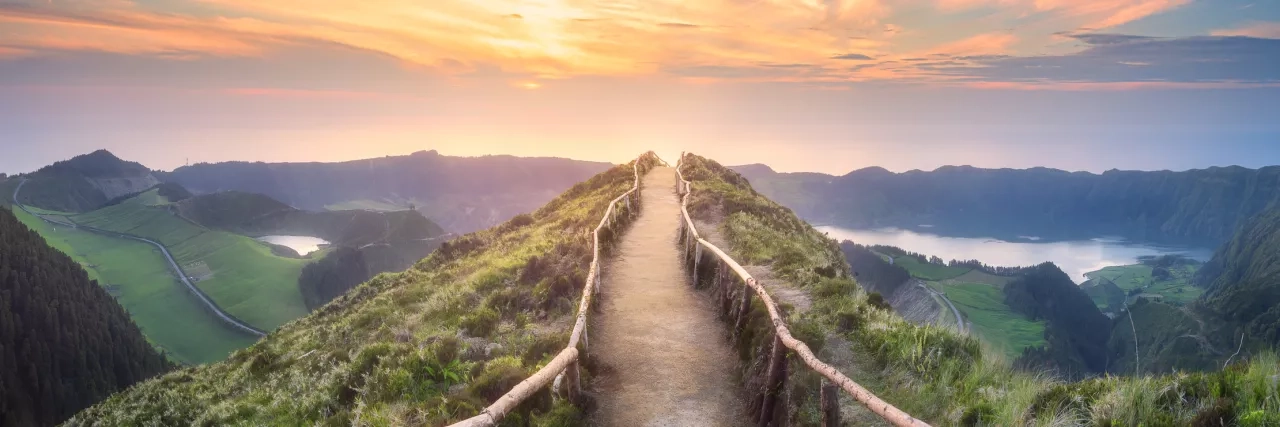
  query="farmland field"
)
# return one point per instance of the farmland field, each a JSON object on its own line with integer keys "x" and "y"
{"x": 992, "y": 320}
{"x": 929, "y": 271}
{"x": 244, "y": 278}
{"x": 1177, "y": 289}
{"x": 137, "y": 275}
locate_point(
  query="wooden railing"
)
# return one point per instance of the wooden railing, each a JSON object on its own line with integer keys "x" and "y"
{"x": 565, "y": 366}
{"x": 737, "y": 307}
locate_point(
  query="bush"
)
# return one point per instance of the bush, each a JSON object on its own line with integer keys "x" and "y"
{"x": 876, "y": 300}
{"x": 498, "y": 377}
{"x": 481, "y": 323}
{"x": 561, "y": 415}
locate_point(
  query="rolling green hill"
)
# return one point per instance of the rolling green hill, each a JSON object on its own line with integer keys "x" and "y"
{"x": 241, "y": 275}
{"x": 480, "y": 313}
{"x": 378, "y": 355}
{"x": 140, "y": 279}
{"x": 64, "y": 343}
{"x": 84, "y": 183}
{"x": 256, "y": 215}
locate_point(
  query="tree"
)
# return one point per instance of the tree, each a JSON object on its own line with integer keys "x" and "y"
{"x": 65, "y": 343}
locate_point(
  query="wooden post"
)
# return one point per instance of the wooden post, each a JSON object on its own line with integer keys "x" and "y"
{"x": 774, "y": 380}
{"x": 575, "y": 383}
{"x": 829, "y": 404}
{"x": 744, "y": 308}
{"x": 697, "y": 259}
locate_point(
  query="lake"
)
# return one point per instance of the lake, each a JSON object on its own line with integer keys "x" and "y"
{"x": 304, "y": 245}
{"x": 1075, "y": 257}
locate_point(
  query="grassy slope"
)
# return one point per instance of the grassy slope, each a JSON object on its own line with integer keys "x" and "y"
{"x": 387, "y": 352}
{"x": 947, "y": 379}
{"x": 1179, "y": 289}
{"x": 978, "y": 297}
{"x": 993, "y": 320}
{"x": 141, "y": 280}
{"x": 929, "y": 271}
{"x": 248, "y": 281}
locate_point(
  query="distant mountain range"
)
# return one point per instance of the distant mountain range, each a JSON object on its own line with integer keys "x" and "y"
{"x": 462, "y": 194}
{"x": 1202, "y": 205}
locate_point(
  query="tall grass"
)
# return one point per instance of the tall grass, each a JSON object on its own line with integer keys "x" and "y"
{"x": 427, "y": 346}
{"x": 949, "y": 379}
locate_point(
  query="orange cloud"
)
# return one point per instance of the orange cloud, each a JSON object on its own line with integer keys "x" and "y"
{"x": 541, "y": 40}
{"x": 1096, "y": 14}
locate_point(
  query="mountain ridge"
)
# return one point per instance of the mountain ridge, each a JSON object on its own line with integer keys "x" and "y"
{"x": 1194, "y": 206}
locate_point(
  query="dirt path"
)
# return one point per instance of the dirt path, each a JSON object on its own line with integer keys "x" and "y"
{"x": 665, "y": 359}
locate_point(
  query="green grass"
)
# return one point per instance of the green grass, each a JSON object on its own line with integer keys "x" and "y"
{"x": 929, "y": 271}
{"x": 1178, "y": 289}
{"x": 142, "y": 282}
{"x": 248, "y": 281}
{"x": 388, "y": 352}
{"x": 947, "y": 379}
{"x": 993, "y": 320}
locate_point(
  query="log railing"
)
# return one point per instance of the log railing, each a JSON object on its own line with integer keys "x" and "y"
{"x": 737, "y": 307}
{"x": 565, "y": 366}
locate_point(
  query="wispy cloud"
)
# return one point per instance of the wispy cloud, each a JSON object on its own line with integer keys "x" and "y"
{"x": 1269, "y": 30}
{"x": 708, "y": 40}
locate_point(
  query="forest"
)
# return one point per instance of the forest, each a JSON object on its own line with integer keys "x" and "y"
{"x": 66, "y": 342}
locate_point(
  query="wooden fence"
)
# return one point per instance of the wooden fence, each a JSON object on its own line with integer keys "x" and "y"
{"x": 735, "y": 304}
{"x": 563, "y": 370}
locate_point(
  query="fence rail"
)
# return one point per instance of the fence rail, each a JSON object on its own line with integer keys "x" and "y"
{"x": 564, "y": 367}
{"x": 783, "y": 340}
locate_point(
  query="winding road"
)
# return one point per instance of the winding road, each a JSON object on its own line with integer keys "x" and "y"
{"x": 169, "y": 257}
{"x": 960, "y": 323}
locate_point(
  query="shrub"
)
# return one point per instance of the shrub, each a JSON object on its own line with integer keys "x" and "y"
{"x": 498, "y": 377}
{"x": 480, "y": 323}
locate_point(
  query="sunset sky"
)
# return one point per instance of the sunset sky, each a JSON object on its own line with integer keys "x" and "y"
{"x": 816, "y": 85}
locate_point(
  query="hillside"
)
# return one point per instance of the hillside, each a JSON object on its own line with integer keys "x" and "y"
{"x": 85, "y": 182}
{"x": 64, "y": 342}
{"x": 1076, "y": 331}
{"x": 1243, "y": 280}
{"x": 257, "y": 215}
{"x": 462, "y": 194}
{"x": 427, "y": 345}
{"x": 366, "y": 243}
{"x": 413, "y": 348}
{"x": 1203, "y": 205}
{"x": 946, "y": 379}
{"x": 241, "y": 275}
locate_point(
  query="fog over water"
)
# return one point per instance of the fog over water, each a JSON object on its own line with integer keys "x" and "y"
{"x": 1075, "y": 257}
{"x": 304, "y": 245}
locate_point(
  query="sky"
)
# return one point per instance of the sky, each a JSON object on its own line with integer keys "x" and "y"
{"x": 803, "y": 85}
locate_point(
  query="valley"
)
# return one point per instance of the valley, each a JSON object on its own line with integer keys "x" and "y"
{"x": 240, "y": 275}
{"x": 140, "y": 279}
{"x": 244, "y": 253}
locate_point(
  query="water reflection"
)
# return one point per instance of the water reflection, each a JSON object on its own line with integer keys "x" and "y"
{"x": 304, "y": 245}
{"x": 1075, "y": 257}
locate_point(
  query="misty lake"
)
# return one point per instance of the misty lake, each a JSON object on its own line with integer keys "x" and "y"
{"x": 304, "y": 245}
{"x": 1075, "y": 257}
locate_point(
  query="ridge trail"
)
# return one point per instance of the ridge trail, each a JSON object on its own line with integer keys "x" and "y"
{"x": 665, "y": 359}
